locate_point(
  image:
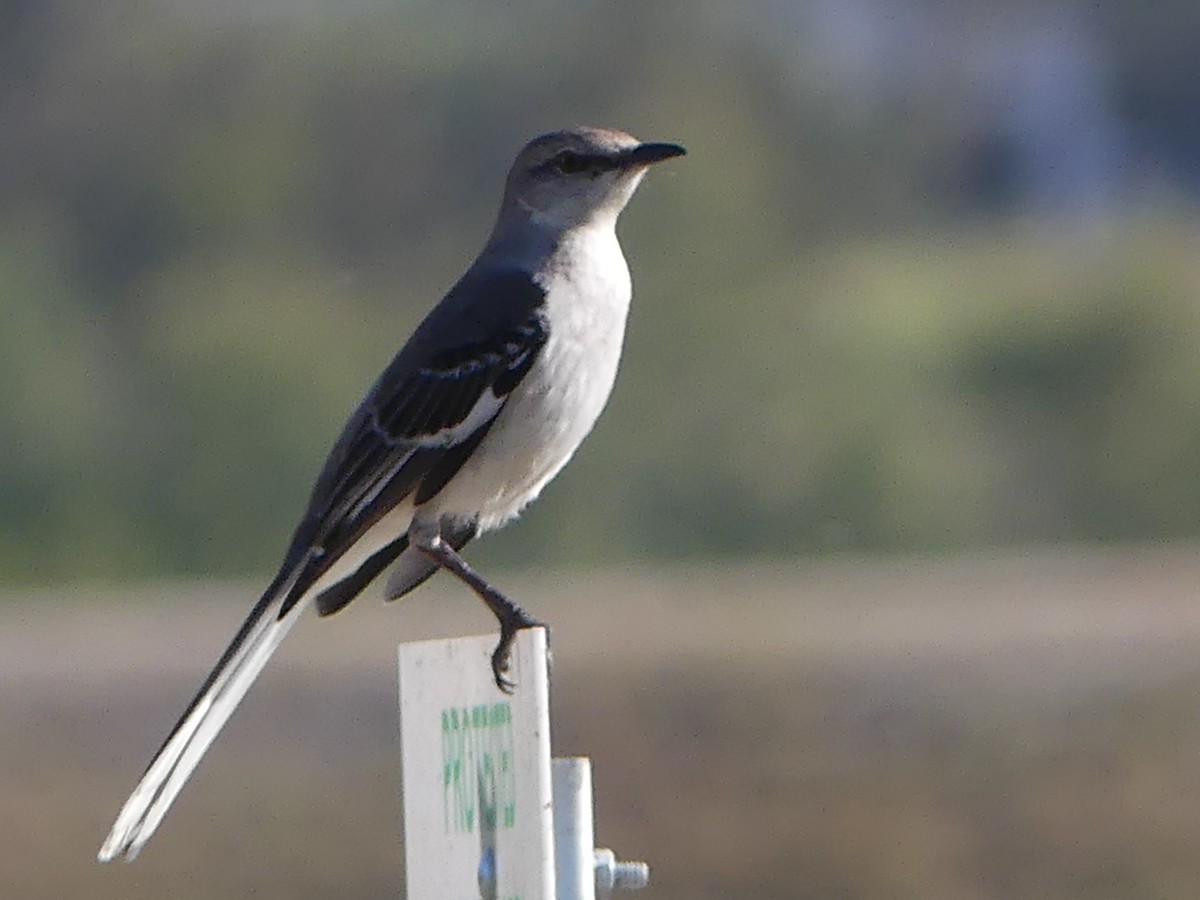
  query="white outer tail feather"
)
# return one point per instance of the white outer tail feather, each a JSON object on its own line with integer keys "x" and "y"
{"x": 150, "y": 800}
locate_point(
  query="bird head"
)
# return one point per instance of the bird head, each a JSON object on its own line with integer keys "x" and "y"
{"x": 568, "y": 178}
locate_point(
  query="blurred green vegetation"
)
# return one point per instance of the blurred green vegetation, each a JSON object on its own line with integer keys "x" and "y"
{"x": 217, "y": 225}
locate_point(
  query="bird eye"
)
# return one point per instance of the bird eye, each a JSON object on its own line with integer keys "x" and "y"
{"x": 570, "y": 163}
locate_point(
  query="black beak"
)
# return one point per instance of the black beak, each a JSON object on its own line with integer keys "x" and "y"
{"x": 647, "y": 154}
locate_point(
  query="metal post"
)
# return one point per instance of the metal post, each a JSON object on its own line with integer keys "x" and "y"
{"x": 574, "y": 829}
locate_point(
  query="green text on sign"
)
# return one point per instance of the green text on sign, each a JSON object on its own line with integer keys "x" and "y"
{"x": 478, "y": 788}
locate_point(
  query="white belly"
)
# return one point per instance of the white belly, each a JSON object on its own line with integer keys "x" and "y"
{"x": 557, "y": 403}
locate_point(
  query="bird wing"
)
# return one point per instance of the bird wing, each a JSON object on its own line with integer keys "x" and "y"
{"x": 422, "y": 419}
{"x": 417, "y": 425}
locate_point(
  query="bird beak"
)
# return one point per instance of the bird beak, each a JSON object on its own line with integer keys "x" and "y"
{"x": 649, "y": 153}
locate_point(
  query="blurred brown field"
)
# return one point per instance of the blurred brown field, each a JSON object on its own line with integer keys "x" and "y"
{"x": 994, "y": 726}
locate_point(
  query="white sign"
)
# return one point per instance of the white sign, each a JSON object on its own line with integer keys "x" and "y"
{"x": 478, "y": 818}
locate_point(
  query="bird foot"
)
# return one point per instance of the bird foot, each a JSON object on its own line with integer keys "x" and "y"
{"x": 513, "y": 621}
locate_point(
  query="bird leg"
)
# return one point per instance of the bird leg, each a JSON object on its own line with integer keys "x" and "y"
{"x": 510, "y": 616}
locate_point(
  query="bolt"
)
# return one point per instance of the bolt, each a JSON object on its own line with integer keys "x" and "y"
{"x": 613, "y": 875}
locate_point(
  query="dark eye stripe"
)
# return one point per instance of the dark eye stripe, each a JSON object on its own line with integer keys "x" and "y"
{"x": 568, "y": 162}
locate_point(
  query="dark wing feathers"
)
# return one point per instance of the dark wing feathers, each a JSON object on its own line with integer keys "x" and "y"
{"x": 484, "y": 336}
{"x": 413, "y": 570}
{"x": 447, "y": 464}
{"x": 521, "y": 351}
{"x": 413, "y": 567}
{"x": 334, "y": 598}
{"x": 455, "y": 379}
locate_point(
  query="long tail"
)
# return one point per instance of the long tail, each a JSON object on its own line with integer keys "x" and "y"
{"x": 240, "y": 664}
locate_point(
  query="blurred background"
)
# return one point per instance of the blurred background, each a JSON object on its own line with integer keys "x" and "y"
{"x": 893, "y": 595}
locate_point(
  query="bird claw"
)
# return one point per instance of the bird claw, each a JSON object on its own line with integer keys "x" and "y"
{"x": 500, "y": 661}
{"x": 503, "y": 653}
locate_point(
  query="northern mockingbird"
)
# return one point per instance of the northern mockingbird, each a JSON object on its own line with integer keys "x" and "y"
{"x": 486, "y": 402}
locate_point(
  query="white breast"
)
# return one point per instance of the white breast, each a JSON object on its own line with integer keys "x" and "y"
{"x": 557, "y": 403}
